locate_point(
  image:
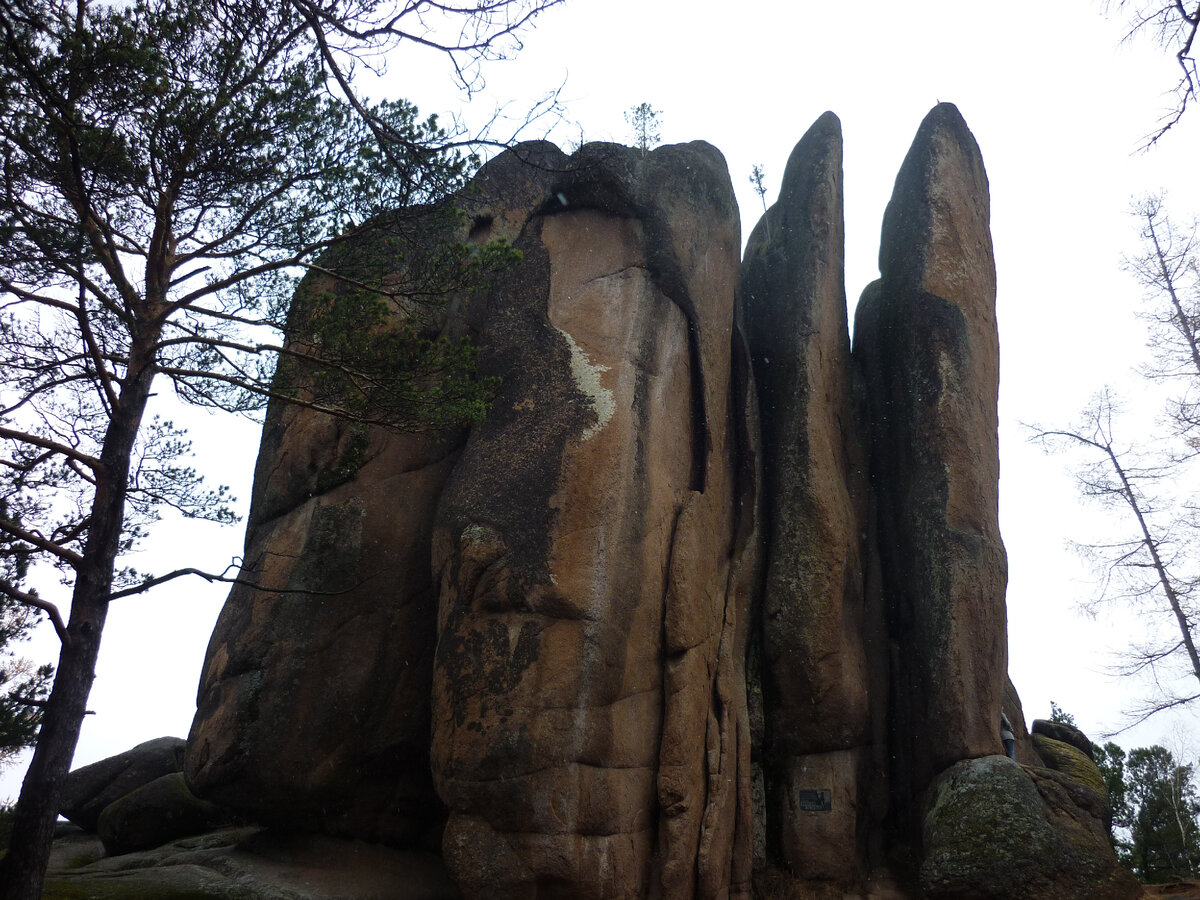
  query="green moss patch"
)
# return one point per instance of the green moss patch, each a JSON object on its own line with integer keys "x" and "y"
{"x": 1062, "y": 757}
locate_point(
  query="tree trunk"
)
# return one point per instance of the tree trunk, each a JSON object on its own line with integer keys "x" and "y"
{"x": 24, "y": 868}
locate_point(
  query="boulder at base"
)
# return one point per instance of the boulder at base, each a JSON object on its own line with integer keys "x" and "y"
{"x": 1071, "y": 761}
{"x": 156, "y": 813}
{"x": 1068, "y": 734}
{"x": 994, "y": 830}
{"x": 91, "y": 788}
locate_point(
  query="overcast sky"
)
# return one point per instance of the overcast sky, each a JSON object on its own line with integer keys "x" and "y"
{"x": 1059, "y": 106}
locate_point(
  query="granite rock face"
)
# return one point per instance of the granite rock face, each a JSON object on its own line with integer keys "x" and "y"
{"x": 993, "y": 829}
{"x": 156, "y": 813}
{"x": 707, "y": 605}
{"x": 1068, "y": 734}
{"x": 926, "y": 340}
{"x": 815, "y": 629}
{"x": 313, "y": 707}
{"x": 1065, "y": 758}
{"x": 590, "y": 718}
{"x": 89, "y": 789}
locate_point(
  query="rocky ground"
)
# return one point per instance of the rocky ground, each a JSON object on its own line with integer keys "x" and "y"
{"x": 247, "y": 863}
{"x": 1176, "y": 890}
{"x": 253, "y": 863}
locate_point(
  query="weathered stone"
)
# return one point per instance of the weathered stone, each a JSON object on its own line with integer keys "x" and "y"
{"x": 89, "y": 789}
{"x": 313, "y": 708}
{"x": 925, "y": 336}
{"x": 160, "y": 811}
{"x": 247, "y": 863}
{"x": 821, "y": 836}
{"x": 815, "y": 484}
{"x": 614, "y": 714}
{"x": 1068, "y": 734}
{"x": 1070, "y": 760}
{"x": 993, "y": 830}
{"x": 590, "y": 723}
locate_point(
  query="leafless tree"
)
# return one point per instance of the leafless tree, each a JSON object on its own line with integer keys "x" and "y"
{"x": 1168, "y": 268}
{"x": 1172, "y": 25}
{"x": 1151, "y": 565}
{"x": 1150, "y": 481}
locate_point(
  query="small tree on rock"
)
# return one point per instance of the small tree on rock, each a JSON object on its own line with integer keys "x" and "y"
{"x": 757, "y": 179}
{"x": 643, "y": 119}
{"x": 1060, "y": 716}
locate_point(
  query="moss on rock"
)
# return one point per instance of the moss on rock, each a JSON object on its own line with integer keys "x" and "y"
{"x": 985, "y": 834}
{"x": 1063, "y": 757}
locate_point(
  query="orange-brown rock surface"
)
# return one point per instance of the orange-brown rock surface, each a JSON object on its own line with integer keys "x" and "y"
{"x": 313, "y": 707}
{"x": 925, "y": 335}
{"x": 817, "y": 676}
{"x": 590, "y": 723}
{"x": 706, "y": 605}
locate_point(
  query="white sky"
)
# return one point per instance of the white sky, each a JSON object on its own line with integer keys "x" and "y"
{"x": 1058, "y": 106}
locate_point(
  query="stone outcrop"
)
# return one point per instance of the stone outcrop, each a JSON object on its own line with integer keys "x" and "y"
{"x": 155, "y": 814}
{"x": 138, "y": 799}
{"x": 1071, "y": 761}
{"x": 591, "y": 545}
{"x": 247, "y": 863}
{"x": 313, "y": 707}
{"x": 707, "y": 605}
{"x": 590, "y": 719}
{"x": 815, "y": 629}
{"x": 1067, "y": 734}
{"x": 91, "y": 788}
{"x": 993, "y": 829}
{"x": 925, "y": 337}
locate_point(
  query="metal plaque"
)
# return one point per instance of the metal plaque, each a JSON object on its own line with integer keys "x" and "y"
{"x": 819, "y": 800}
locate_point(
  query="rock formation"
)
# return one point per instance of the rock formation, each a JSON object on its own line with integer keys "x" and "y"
{"x": 155, "y": 813}
{"x": 993, "y": 829}
{"x": 925, "y": 336}
{"x": 588, "y": 694}
{"x": 707, "y": 605}
{"x": 815, "y": 627}
{"x": 90, "y": 789}
{"x": 314, "y": 709}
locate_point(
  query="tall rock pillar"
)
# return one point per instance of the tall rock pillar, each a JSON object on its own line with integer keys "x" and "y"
{"x": 816, "y": 675}
{"x": 925, "y": 336}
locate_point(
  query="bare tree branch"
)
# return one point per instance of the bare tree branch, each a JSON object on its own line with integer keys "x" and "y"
{"x": 26, "y": 598}
{"x": 211, "y": 577}
{"x": 1173, "y": 27}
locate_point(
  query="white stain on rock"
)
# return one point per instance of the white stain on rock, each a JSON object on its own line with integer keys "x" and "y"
{"x": 587, "y": 379}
